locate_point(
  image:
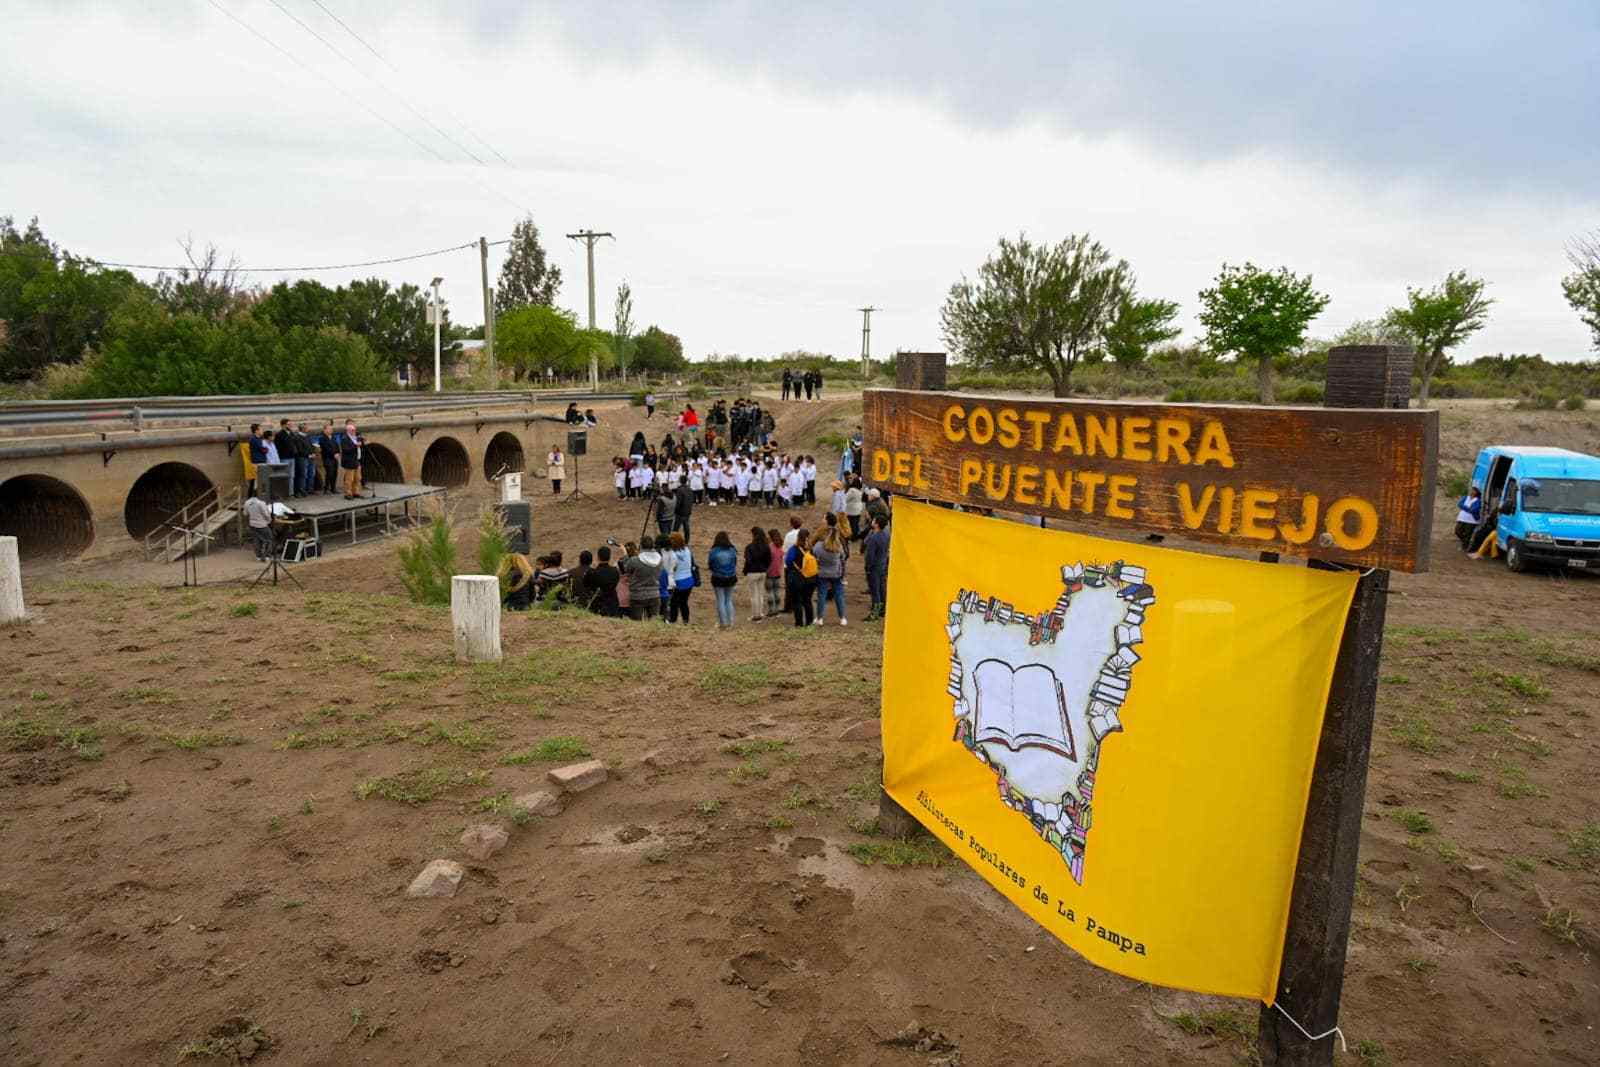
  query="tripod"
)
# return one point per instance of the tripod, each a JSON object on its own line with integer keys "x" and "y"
{"x": 191, "y": 563}
{"x": 275, "y": 566}
{"x": 576, "y": 494}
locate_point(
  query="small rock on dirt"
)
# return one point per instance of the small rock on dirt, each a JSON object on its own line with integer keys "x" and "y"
{"x": 540, "y": 802}
{"x": 483, "y": 840}
{"x": 576, "y": 777}
{"x": 659, "y": 759}
{"x": 439, "y": 878}
{"x": 865, "y": 730}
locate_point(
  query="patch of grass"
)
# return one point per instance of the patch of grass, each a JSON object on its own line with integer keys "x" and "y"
{"x": 1560, "y": 923}
{"x": 324, "y": 739}
{"x": 419, "y": 785}
{"x": 1224, "y": 1023}
{"x": 748, "y": 771}
{"x": 754, "y": 747}
{"x": 797, "y": 798}
{"x": 195, "y": 740}
{"x": 1394, "y": 679}
{"x": 1407, "y": 893}
{"x": 275, "y": 824}
{"x": 1584, "y": 845}
{"x": 708, "y": 807}
{"x": 22, "y": 734}
{"x": 1521, "y": 685}
{"x": 1415, "y": 822}
{"x": 413, "y": 674}
{"x": 462, "y": 735}
{"x": 550, "y": 750}
{"x": 1450, "y": 852}
{"x": 1417, "y": 734}
{"x": 1462, "y": 777}
{"x": 779, "y": 822}
{"x": 1419, "y": 965}
{"x": 494, "y": 804}
{"x": 244, "y": 610}
{"x": 290, "y": 905}
{"x": 918, "y": 852}
{"x": 865, "y": 788}
{"x": 1514, "y": 784}
{"x": 1521, "y": 864}
{"x": 867, "y": 826}
{"x": 1370, "y": 1053}
{"x": 742, "y": 683}
{"x": 1553, "y": 655}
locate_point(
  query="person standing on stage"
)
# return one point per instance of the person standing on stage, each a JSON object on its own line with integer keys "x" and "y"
{"x": 558, "y": 468}
{"x": 329, "y": 448}
{"x": 350, "y": 461}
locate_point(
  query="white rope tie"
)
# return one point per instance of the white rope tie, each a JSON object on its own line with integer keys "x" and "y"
{"x": 1310, "y": 1036}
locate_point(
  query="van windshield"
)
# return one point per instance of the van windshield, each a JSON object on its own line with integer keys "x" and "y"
{"x": 1568, "y": 496}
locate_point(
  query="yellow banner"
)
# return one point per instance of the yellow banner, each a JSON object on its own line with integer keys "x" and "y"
{"x": 1118, "y": 737}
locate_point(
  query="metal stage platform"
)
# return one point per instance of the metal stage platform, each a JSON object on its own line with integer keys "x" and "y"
{"x": 373, "y": 512}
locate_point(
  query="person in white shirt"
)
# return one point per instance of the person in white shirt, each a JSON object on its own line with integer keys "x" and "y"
{"x": 808, "y": 467}
{"x": 797, "y": 487}
{"x": 647, "y": 479}
{"x": 557, "y": 464}
{"x": 741, "y": 483}
{"x": 697, "y": 482}
{"x": 784, "y": 496}
{"x": 793, "y": 535}
{"x": 619, "y": 478}
{"x": 769, "y": 481}
{"x": 713, "y": 483}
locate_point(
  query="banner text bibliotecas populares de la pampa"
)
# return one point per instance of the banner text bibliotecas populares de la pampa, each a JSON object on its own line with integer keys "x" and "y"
{"x": 1119, "y": 737}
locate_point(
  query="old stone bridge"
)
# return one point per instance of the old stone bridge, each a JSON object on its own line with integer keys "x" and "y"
{"x": 97, "y": 484}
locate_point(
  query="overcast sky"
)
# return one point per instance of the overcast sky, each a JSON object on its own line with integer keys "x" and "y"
{"x": 769, "y": 168}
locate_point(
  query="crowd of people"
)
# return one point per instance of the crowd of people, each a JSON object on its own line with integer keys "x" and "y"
{"x": 320, "y": 461}
{"x": 728, "y": 458}
{"x": 806, "y": 384}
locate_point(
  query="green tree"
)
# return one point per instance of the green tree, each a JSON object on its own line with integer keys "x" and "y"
{"x": 1259, "y": 315}
{"x": 622, "y": 324}
{"x": 394, "y": 322}
{"x": 1582, "y": 286}
{"x": 207, "y": 286}
{"x": 1439, "y": 319}
{"x": 1140, "y": 325}
{"x": 1037, "y": 307}
{"x": 54, "y": 307}
{"x": 526, "y": 276}
{"x": 535, "y": 338}
{"x": 658, "y": 351}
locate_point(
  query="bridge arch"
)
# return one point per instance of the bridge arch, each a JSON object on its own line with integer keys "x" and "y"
{"x": 446, "y": 464}
{"x": 159, "y": 493}
{"x": 380, "y": 464}
{"x": 48, "y": 517}
{"x": 504, "y": 452}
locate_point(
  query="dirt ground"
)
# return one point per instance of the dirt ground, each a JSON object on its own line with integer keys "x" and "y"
{"x": 212, "y": 800}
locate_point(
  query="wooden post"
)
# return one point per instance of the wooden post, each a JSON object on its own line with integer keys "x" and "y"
{"x": 923, "y": 371}
{"x": 11, "y": 609}
{"x": 475, "y": 616}
{"x": 1311, "y": 977}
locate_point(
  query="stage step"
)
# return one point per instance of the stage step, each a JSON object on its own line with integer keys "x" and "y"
{"x": 216, "y": 521}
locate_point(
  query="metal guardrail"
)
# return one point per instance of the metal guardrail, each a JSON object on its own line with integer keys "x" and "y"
{"x": 25, "y": 413}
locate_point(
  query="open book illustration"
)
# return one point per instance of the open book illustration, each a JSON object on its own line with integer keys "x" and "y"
{"x": 1045, "y": 690}
{"x": 1021, "y": 706}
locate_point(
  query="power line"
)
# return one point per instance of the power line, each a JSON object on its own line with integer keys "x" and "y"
{"x": 21, "y": 252}
{"x": 297, "y": 61}
{"x": 374, "y": 112}
{"x": 382, "y": 59}
{"x": 353, "y": 65}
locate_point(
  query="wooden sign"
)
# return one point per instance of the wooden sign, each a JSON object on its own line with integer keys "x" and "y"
{"x": 1351, "y": 485}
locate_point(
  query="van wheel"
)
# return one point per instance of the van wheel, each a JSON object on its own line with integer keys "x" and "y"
{"x": 1516, "y": 563}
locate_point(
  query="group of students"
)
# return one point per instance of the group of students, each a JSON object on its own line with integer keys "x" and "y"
{"x": 797, "y": 573}
{"x": 743, "y": 477}
{"x": 323, "y": 461}
{"x": 809, "y": 382}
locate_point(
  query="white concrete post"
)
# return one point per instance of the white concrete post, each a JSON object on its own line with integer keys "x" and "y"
{"x": 11, "y": 583}
{"x": 510, "y": 488}
{"x": 475, "y": 615}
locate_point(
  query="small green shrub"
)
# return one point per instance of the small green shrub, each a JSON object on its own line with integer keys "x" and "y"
{"x": 1573, "y": 403}
{"x": 245, "y": 610}
{"x": 428, "y": 562}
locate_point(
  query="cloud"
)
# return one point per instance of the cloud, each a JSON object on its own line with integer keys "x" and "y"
{"x": 1481, "y": 91}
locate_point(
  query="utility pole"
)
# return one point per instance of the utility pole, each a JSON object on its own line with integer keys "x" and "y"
{"x": 488, "y": 312}
{"x": 589, "y": 237}
{"x": 866, "y": 341}
{"x": 437, "y": 320}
